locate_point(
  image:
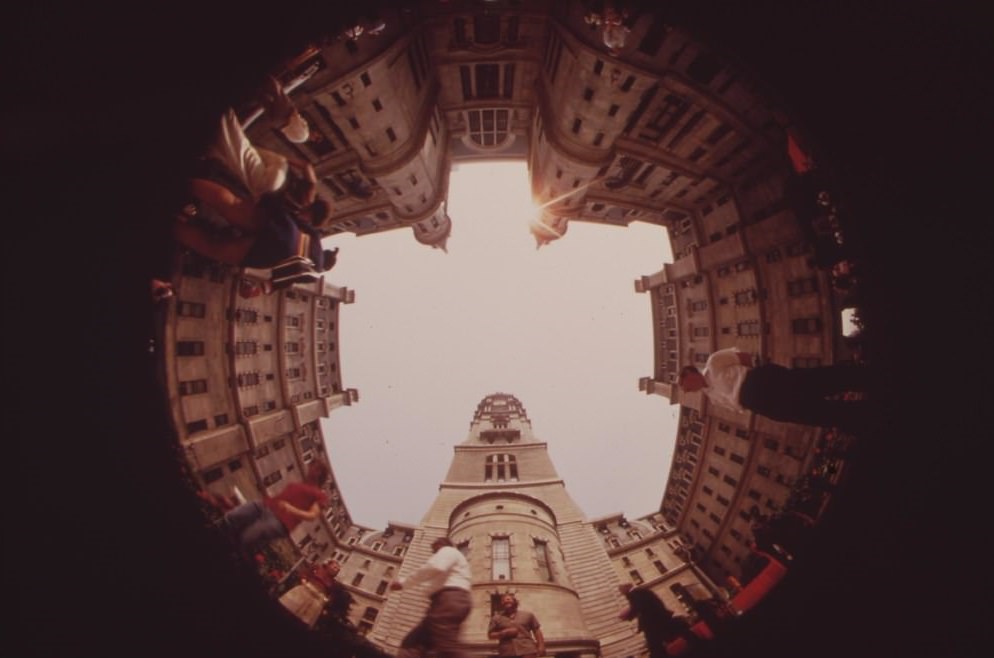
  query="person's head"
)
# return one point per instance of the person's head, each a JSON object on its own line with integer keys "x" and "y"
{"x": 319, "y": 212}
{"x": 317, "y": 472}
{"x": 509, "y": 602}
{"x": 439, "y": 543}
{"x": 332, "y": 567}
{"x": 328, "y": 259}
{"x": 691, "y": 379}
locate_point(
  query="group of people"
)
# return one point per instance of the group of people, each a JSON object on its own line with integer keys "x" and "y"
{"x": 252, "y": 207}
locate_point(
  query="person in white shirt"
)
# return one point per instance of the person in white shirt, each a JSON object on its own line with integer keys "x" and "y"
{"x": 732, "y": 380}
{"x": 449, "y": 583}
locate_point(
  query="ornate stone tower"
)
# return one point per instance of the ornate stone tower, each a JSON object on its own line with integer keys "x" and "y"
{"x": 504, "y": 505}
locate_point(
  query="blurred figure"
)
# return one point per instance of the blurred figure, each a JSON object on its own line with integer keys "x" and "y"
{"x": 450, "y": 582}
{"x": 256, "y": 523}
{"x": 657, "y": 622}
{"x": 276, "y": 227}
{"x": 793, "y": 395}
{"x": 318, "y": 594}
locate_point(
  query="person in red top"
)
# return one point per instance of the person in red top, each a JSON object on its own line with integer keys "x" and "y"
{"x": 257, "y": 523}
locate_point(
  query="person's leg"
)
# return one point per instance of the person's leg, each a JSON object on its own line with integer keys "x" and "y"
{"x": 445, "y": 617}
{"x": 243, "y": 516}
{"x": 231, "y": 251}
{"x": 847, "y": 415}
{"x": 260, "y": 170}
{"x": 766, "y": 390}
{"x": 235, "y": 210}
{"x": 823, "y": 381}
{"x": 415, "y": 644}
{"x": 264, "y": 530}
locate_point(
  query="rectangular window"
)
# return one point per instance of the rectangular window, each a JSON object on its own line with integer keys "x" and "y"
{"x": 190, "y": 348}
{"x": 737, "y": 458}
{"x": 718, "y": 133}
{"x": 542, "y": 560}
{"x": 598, "y": 67}
{"x": 486, "y": 28}
{"x": 391, "y": 135}
{"x": 459, "y": 31}
{"x": 636, "y": 577}
{"x": 467, "y": 82}
{"x": 799, "y": 287}
{"x": 508, "y": 87}
{"x": 576, "y": 126}
{"x": 365, "y": 79}
{"x": 193, "y": 387}
{"x": 191, "y": 309}
{"x": 588, "y": 94}
{"x": 357, "y": 579}
{"x": 627, "y": 84}
{"x": 806, "y": 325}
{"x": 660, "y": 567}
{"x": 487, "y": 80}
{"x": 513, "y": 25}
{"x": 686, "y": 129}
{"x": 805, "y": 362}
{"x": 501, "y": 557}
{"x": 749, "y": 328}
{"x": 196, "y": 426}
{"x": 247, "y": 379}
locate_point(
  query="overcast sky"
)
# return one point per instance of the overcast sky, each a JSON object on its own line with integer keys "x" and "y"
{"x": 431, "y": 334}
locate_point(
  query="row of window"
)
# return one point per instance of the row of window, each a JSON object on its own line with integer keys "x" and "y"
{"x": 500, "y": 558}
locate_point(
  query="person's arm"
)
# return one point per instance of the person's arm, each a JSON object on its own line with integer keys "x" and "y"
{"x": 496, "y": 633}
{"x": 539, "y": 641}
{"x": 441, "y": 562}
{"x": 309, "y": 514}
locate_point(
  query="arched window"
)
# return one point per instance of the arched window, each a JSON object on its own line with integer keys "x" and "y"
{"x": 500, "y": 468}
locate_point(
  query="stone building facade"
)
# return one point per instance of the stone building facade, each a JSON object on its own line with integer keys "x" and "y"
{"x": 663, "y": 130}
{"x": 248, "y": 379}
{"x": 503, "y": 504}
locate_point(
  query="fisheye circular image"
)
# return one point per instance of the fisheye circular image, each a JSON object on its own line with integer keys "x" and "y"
{"x": 497, "y": 328}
